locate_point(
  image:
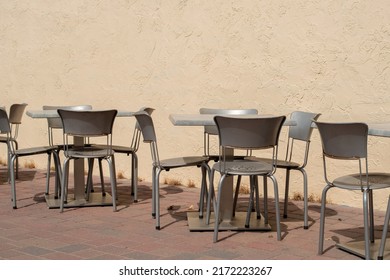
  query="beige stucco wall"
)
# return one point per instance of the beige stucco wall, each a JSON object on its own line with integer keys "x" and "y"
{"x": 277, "y": 56}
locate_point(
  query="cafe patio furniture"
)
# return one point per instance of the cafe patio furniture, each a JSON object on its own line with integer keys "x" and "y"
{"x": 14, "y": 154}
{"x": 55, "y": 124}
{"x": 15, "y": 118}
{"x": 131, "y": 150}
{"x": 296, "y": 159}
{"x": 78, "y": 198}
{"x": 145, "y": 122}
{"x": 261, "y": 133}
{"x": 87, "y": 125}
{"x": 348, "y": 142}
{"x": 231, "y": 222}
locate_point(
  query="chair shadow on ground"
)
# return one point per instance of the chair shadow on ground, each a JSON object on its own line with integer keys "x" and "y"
{"x": 24, "y": 175}
{"x": 294, "y": 218}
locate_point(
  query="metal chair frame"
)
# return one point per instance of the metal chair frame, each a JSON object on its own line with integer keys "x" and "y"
{"x": 15, "y": 118}
{"x": 246, "y": 134}
{"x": 87, "y": 124}
{"x": 15, "y": 153}
{"x": 131, "y": 150}
{"x": 54, "y": 124}
{"x": 348, "y": 141}
{"x": 145, "y": 122}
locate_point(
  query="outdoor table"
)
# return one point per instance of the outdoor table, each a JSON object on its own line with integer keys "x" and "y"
{"x": 78, "y": 199}
{"x": 228, "y": 221}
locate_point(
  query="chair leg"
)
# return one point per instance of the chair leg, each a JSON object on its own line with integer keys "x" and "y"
{"x": 113, "y": 182}
{"x": 256, "y": 185}
{"x": 203, "y": 191}
{"x": 134, "y": 176}
{"x": 251, "y": 201}
{"x": 48, "y": 173}
{"x": 371, "y": 215}
{"x": 13, "y": 179}
{"x": 154, "y": 171}
{"x": 366, "y": 224}
{"x": 210, "y": 197}
{"x": 101, "y": 177}
{"x": 64, "y": 184}
{"x": 305, "y": 200}
{"x": 384, "y": 232}
{"x": 277, "y": 211}
{"x": 322, "y": 220}
{"x": 265, "y": 187}
{"x": 217, "y": 209}
{"x": 236, "y": 194}
{"x": 17, "y": 161}
{"x": 89, "y": 178}
{"x": 157, "y": 198}
{"x": 58, "y": 174}
{"x": 287, "y": 187}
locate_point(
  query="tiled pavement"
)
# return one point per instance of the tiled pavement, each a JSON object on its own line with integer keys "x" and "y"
{"x": 35, "y": 232}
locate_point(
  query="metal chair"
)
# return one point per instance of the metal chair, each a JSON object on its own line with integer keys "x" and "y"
{"x": 14, "y": 153}
{"x": 211, "y": 131}
{"x": 15, "y": 118}
{"x": 246, "y": 134}
{"x": 348, "y": 142}
{"x": 87, "y": 125}
{"x": 384, "y": 233}
{"x": 55, "y": 124}
{"x": 132, "y": 150}
{"x": 148, "y": 132}
{"x": 300, "y": 132}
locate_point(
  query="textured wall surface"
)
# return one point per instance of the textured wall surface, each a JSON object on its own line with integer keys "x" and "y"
{"x": 277, "y": 56}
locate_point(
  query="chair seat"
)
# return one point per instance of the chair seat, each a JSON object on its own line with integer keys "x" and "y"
{"x": 182, "y": 161}
{"x": 216, "y": 157}
{"x": 279, "y": 163}
{"x": 89, "y": 152}
{"x": 118, "y": 149}
{"x": 243, "y": 167}
{"x": 352, "y": 181}
{"x": 34, "y": 151}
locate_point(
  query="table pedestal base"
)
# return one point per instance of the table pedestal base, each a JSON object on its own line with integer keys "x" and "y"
{"x": 357, "y": 248}
{"x": 95, "y": 199}
{"x": 236, "y": 224}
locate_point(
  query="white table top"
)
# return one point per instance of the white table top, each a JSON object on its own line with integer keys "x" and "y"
{"x": 379, "y": 129}
{"x": 206, "y": 119}
{"x": 43, "y": 114}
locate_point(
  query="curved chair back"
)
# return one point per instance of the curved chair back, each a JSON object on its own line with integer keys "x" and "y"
{"x": 56, "y": 123}
{"x": 303, "y": 129}
{"x": 5, "y": 127}
{"x": 249, "y": 133}
{"x": 145, "y": 122}
{"x": 137, "y": 129}
{"x": 16, "y": 113}
{"x": 87, "y": 123}
{"x": 344, "y": 140}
